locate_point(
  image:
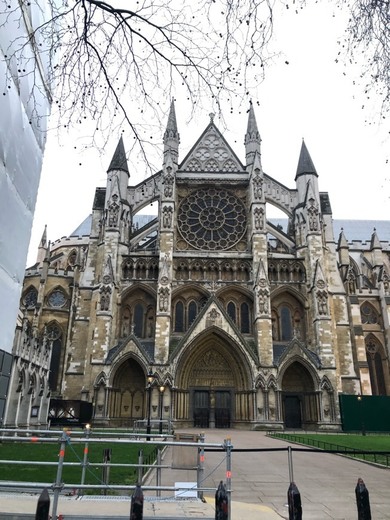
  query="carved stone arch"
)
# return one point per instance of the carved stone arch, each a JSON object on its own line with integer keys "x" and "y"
{"x": 328, "y": 405}
{"x": 214, "y": 339}
{"x": 260, "y": 382}
{"x": 272, "y": 382}
{"x": 190, "y": 288}
{"x": 278, "y": 195}
{"x": 306, "y": 363}
{"x": 378, "y": 365}
{"x": 136, "y": 288}
{"x": 126, "y": 400}
{"x": 30, "y": 297}
{"x": 72, "y": 257}
{"x": 127, "y": 268}
{"x": 369, "y": 314}
{"x": 299, "y": 382}
{"x": 100, "y": 380}
{"x": 55, "y": 336}
{"x": 209, "y": 367}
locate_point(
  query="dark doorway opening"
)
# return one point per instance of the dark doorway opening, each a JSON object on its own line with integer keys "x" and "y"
{"x": 222, "y": 409}
{"x": 201, "y": 408}
{"x": 292, "y": 411}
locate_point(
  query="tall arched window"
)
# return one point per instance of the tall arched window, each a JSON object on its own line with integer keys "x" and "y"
{"x": 192, "y": 312}
{"x": 286, "y": 325}
{"x": 375, "y": 366}
{"x": 231, "y": 310}
{"x": 54, "y": 336}
{"x": 245, "y": 325}
{"x": 179, "y": 317}
{"x": 139, "y": 314}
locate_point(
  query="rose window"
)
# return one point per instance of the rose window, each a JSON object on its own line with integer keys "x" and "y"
{"x": 212, "y": 219}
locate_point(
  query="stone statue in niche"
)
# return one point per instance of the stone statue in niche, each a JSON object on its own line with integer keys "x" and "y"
{"x": 259, "y": 219}
{"x": 105, "y": 298}
{"x": 322, "y": 303}
{"x": 164, "y": 299}
{"x": 168, "y": 184}
{"x": 313, "y": 216}
{"x": 258, "y": 186}
{"x": 113, "y": 214}
{"x": 167, "y": 216}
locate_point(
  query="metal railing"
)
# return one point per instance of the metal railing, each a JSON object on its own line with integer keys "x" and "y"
{"x": 145, "y": 463}
{"x": 378, "y": 457}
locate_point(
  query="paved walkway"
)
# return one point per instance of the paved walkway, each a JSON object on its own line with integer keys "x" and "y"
{"x": 259, "y": 482}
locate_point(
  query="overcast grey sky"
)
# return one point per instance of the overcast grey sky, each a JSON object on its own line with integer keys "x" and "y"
{"x": 310, "y": 97}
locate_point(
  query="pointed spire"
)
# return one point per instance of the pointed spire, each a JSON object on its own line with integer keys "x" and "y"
{"x": 375, "y": 242}
{"x": 342, "y": 243}
{"x": 47, "y": 253}
{"x": 171, "y": 136}
{"x": 305, "y": 163}
{"x": 44, "y": 237}
{"x": 172, "y": 124}
{"x": 252, "y": 124}
{"x": 252, "y": 137}
{"x": 119, "y": 161}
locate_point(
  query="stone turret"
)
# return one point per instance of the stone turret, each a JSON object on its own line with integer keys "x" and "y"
{"x": 306, "y": 172}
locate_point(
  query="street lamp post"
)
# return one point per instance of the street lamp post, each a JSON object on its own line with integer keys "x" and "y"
{"x": 149, "y": 389}
{"x": 162, "y": 388}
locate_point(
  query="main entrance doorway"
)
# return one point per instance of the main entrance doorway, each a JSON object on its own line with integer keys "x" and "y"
{"x": 212, "y": 408}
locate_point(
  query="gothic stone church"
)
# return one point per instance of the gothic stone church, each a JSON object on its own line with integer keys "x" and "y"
{"x": 247, "y": 322}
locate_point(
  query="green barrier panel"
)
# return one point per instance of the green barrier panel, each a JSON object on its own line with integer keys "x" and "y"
{"x": 365, "y": 413}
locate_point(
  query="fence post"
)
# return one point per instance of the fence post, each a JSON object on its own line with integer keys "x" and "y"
{"x": 362, "y": 501}
{"x": 137, "y": 504}
{"x": 43, "y": 506}
{"x": 158, "y": 472}
{"x": 290, "y": 464}
{"x": 294, "y": 503}
{"x": 85, "y": 458}
{"x": 65, "y": 437}
{"x": 140, "y": 468}
{"x": 229, "y": 447}
{"x": 107, "y": 452}
{"x": 200, "y": 468}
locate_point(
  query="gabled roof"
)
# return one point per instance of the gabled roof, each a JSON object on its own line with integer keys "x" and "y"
{"x": 211, "y": 153}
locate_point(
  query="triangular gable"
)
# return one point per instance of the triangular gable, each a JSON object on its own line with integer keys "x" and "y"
{"x": 211, "y": 154}
{"x": 214, "y": 316}
{"x": 298, "y": 351}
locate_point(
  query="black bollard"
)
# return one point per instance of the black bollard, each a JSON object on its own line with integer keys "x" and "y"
{"x": 294, "y": 503}
{"x": 221, "y": 502}
{"x": 43, "y": 506}
{"x": 362, "y": 501}
{"x": 137, "y": 504}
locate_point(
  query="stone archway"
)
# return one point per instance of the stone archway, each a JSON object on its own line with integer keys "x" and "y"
{"x": 213, "y": 384}
{"x": 127, "y": 400}
{"x": 299, "y": 397}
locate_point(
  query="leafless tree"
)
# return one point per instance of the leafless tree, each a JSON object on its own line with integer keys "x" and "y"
{"x": 368, "y": 44}
{"x": 112, "y": 64}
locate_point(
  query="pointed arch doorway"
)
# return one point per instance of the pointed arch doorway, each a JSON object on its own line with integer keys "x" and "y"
{"x": 127, "y": 399}
{"x": 299, "y": 398}
{"x": 214, "y": 384}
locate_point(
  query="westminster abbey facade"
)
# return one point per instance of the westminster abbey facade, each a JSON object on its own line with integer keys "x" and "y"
{"x": 239, "y": 320}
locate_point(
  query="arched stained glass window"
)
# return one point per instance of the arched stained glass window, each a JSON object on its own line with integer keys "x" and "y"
{"x": 179, "y": 317}
{"x": 286, "y": 325}
{"x": 245, "y": 326}
{"x": 231, "y": 310}
{"x": 192, "y": 312}
{"x": 139, "y": 320}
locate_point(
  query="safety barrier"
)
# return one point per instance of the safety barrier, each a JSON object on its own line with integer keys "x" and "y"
{"x": 222, "y": 494}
